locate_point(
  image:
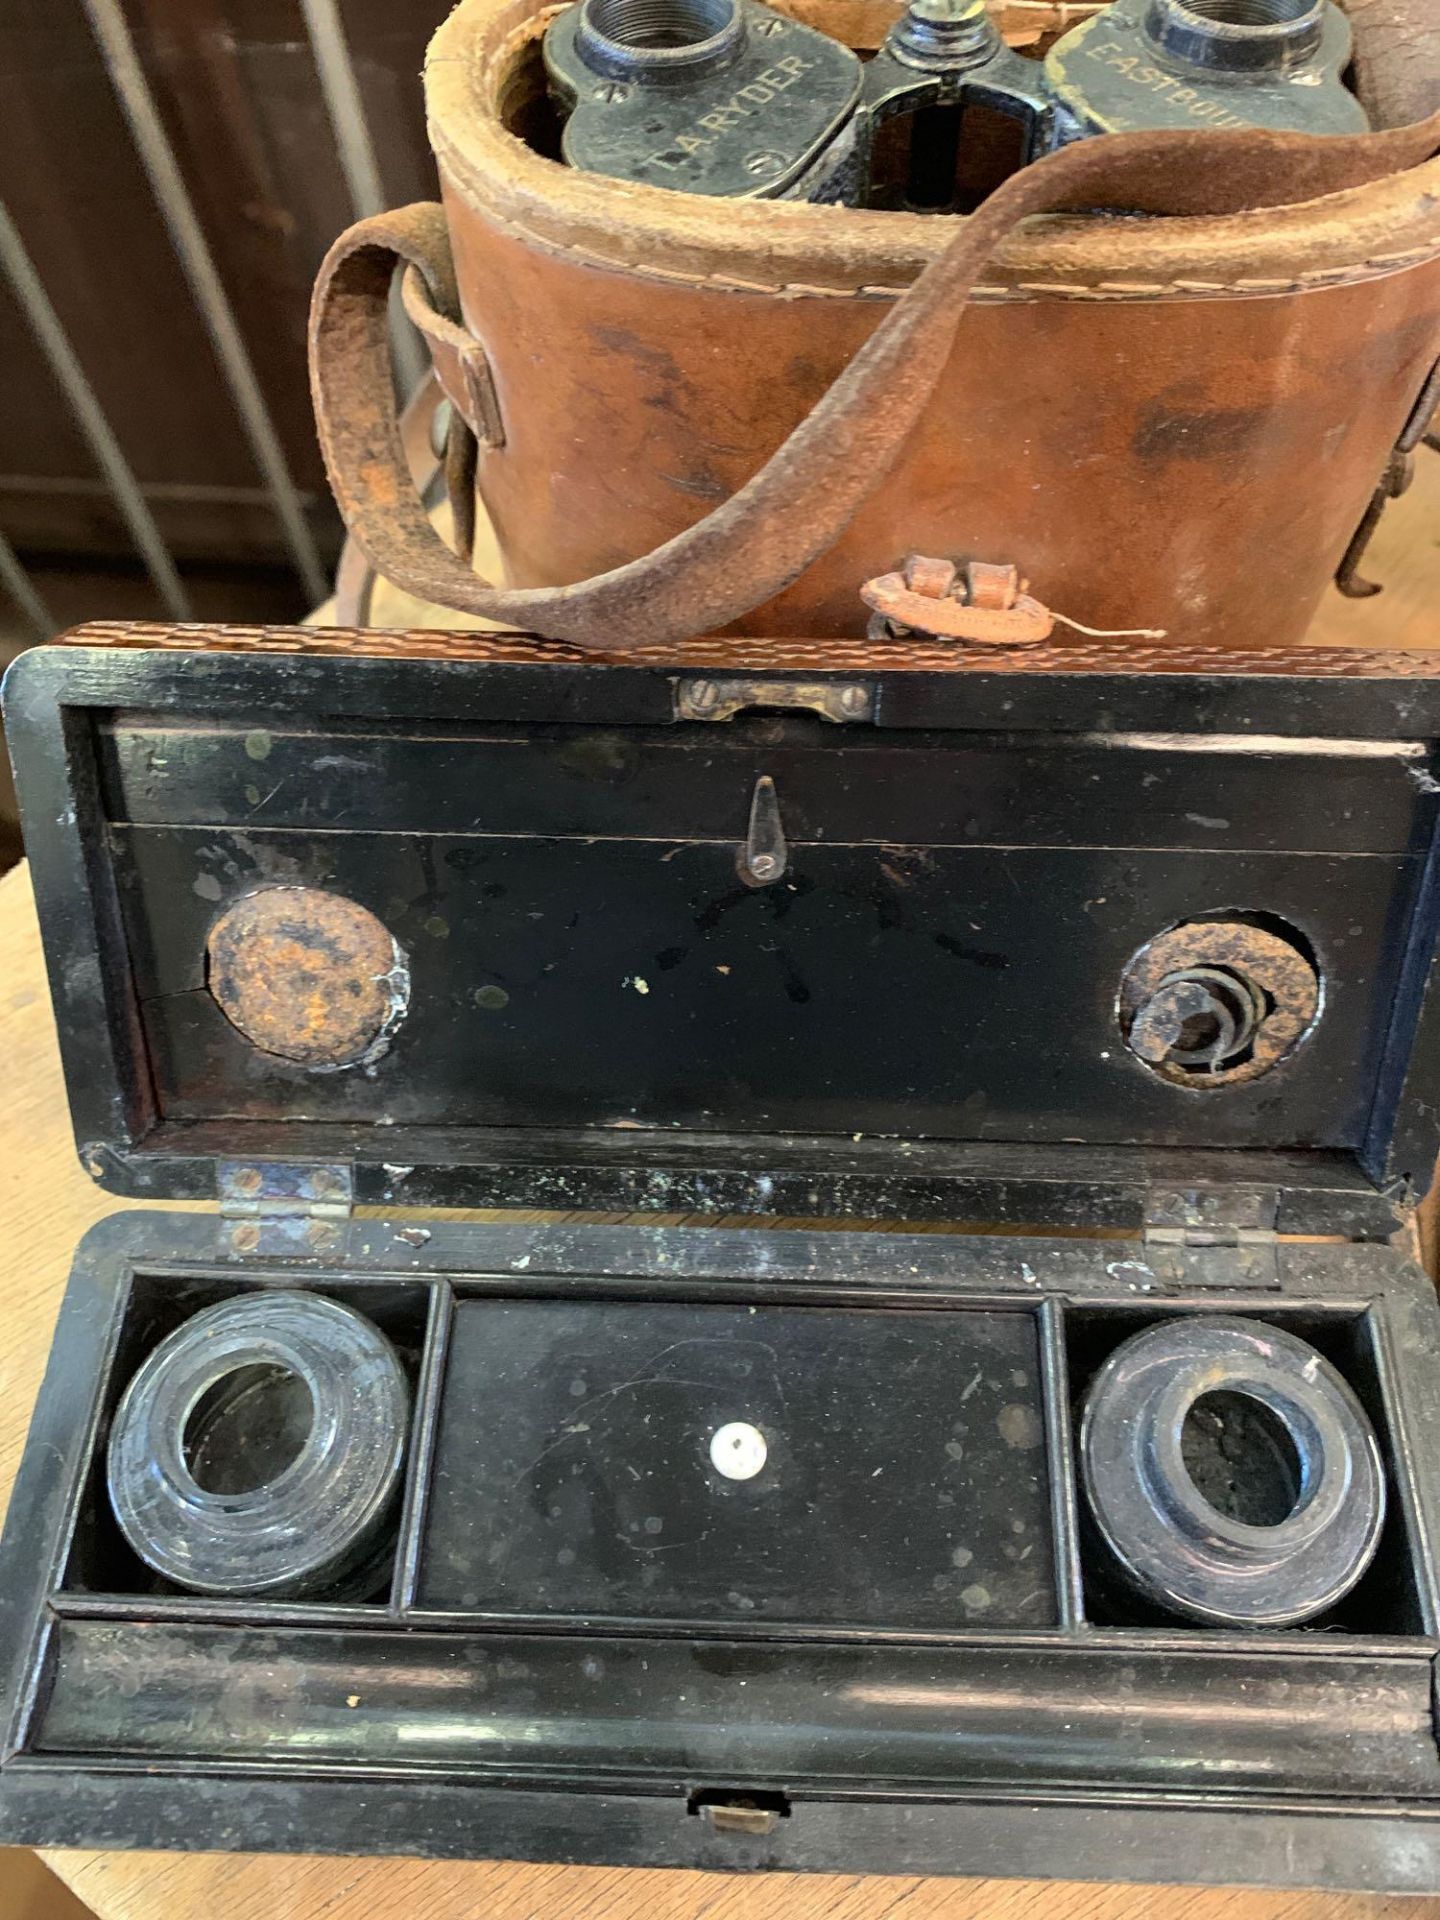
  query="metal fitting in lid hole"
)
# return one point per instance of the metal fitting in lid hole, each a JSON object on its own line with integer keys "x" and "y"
{"x": 1278, "y": 1551}
{"x": 258, "y": 1449}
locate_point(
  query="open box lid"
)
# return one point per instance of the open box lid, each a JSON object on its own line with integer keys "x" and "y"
{"x": 748, "y": 927}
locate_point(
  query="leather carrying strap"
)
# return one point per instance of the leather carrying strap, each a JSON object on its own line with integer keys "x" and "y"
{"x": 426, "y": 458}
{"x": 797, "y": 505}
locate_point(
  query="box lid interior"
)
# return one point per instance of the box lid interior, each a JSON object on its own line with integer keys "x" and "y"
{"x": 917, "y": 1018}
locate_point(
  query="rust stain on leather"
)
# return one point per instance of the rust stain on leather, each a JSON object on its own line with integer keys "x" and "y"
{"x": 1222, "y": 434}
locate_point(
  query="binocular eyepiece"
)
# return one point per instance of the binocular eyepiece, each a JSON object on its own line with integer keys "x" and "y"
{"x": 730, "y": 98}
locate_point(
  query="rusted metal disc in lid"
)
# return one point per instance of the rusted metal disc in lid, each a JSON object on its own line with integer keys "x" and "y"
{"x": 1218, "y": 999}
{"x": 309, "y": 976}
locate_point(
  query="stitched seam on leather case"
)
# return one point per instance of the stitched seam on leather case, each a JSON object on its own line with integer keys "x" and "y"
{"x": 990, "y": 293}
{"x": 1376, "y": 267}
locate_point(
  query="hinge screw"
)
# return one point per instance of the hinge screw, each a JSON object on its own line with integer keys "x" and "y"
{"x": 704, "y": 694}
{"x": 248, "y": 1180}
{"x": 854, "y": 700}
{"x": 246, "y": 1237}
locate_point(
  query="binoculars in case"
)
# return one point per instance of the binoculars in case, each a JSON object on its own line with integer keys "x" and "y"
{"x": 729, "y": 97}
{"x": 1096, "y": 1541}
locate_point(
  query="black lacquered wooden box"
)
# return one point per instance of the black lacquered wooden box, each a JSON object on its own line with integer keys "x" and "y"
{"x": 1103, "y": 978}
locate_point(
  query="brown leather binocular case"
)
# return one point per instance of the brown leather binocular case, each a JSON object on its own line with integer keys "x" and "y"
{"x": 683, "y": 415}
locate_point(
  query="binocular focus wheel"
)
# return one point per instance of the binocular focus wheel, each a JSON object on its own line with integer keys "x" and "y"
{"x": 258, "y": 1449}
{"x": 1290, "y": 1416}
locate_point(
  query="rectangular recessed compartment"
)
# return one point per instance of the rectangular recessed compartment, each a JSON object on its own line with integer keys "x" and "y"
{"x": 1388, "y": 1598}
{"x": 852, "y": 1673}
{"x": 559, "y": 1465}
{"x": 904, "y": 1482}
{"x": 100, "y": 1561}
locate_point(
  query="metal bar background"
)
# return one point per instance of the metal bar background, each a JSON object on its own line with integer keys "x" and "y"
{"x": 21, "y": 589}
{"x": 358, "y": 160}
{"x": 359, "y": 163}
{"x": 108, "y": 24}
{"x": 89, "y": 414}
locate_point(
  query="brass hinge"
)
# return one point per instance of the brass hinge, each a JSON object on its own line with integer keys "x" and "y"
{"x": 1206, "y": 1237}
{"x": 277, "y": 1208}
{"x": 719, "y": 697}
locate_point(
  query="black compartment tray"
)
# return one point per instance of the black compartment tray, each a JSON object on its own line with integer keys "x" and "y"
{"x": 811, "y": 1646}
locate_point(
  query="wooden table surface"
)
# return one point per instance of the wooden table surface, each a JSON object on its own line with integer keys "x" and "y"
{"x": 46, "y": 1203}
